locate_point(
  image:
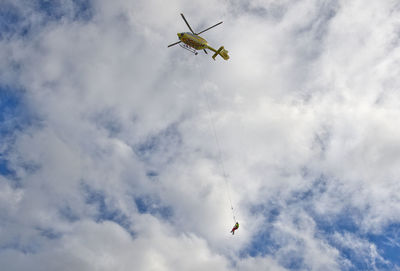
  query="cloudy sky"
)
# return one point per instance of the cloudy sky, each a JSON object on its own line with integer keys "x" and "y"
{"x": 108, "y": 157}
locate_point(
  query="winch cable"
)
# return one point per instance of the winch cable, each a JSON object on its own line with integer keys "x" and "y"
{"x": 217, "y": 142}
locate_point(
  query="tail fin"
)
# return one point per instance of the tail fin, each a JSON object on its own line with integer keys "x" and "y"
{"x": 222, "y": 52}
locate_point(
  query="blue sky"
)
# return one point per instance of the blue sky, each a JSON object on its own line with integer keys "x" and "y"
{"x": 108, "y": 159}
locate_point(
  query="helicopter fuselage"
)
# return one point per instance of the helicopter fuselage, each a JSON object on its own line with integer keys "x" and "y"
{"x": 193, "y": 41}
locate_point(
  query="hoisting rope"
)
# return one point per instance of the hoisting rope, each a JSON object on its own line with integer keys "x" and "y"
{"x": 220, "y": 158}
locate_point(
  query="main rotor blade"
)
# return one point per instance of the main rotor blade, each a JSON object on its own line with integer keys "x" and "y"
{"x": 209, "y": 28}
{"x": 174, "y": 43}
{"x": 187, "y": 23}
{"x": 205, "y": 51}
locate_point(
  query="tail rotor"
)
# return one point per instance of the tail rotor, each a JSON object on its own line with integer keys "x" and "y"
{"x": 222, "y": 52}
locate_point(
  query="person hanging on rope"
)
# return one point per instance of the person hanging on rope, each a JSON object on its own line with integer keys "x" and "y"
{"x": 235, "y": 228}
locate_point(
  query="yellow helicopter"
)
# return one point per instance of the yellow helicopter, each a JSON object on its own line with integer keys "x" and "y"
{"x": 192, "y": 42}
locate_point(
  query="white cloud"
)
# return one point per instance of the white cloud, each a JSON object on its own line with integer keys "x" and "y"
{"x": 305, "y": 110}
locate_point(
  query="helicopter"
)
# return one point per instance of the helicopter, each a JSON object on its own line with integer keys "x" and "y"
{"x": 192, "y": 42}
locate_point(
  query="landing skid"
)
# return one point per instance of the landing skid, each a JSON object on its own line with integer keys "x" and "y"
{"x": 190, "y": 49}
